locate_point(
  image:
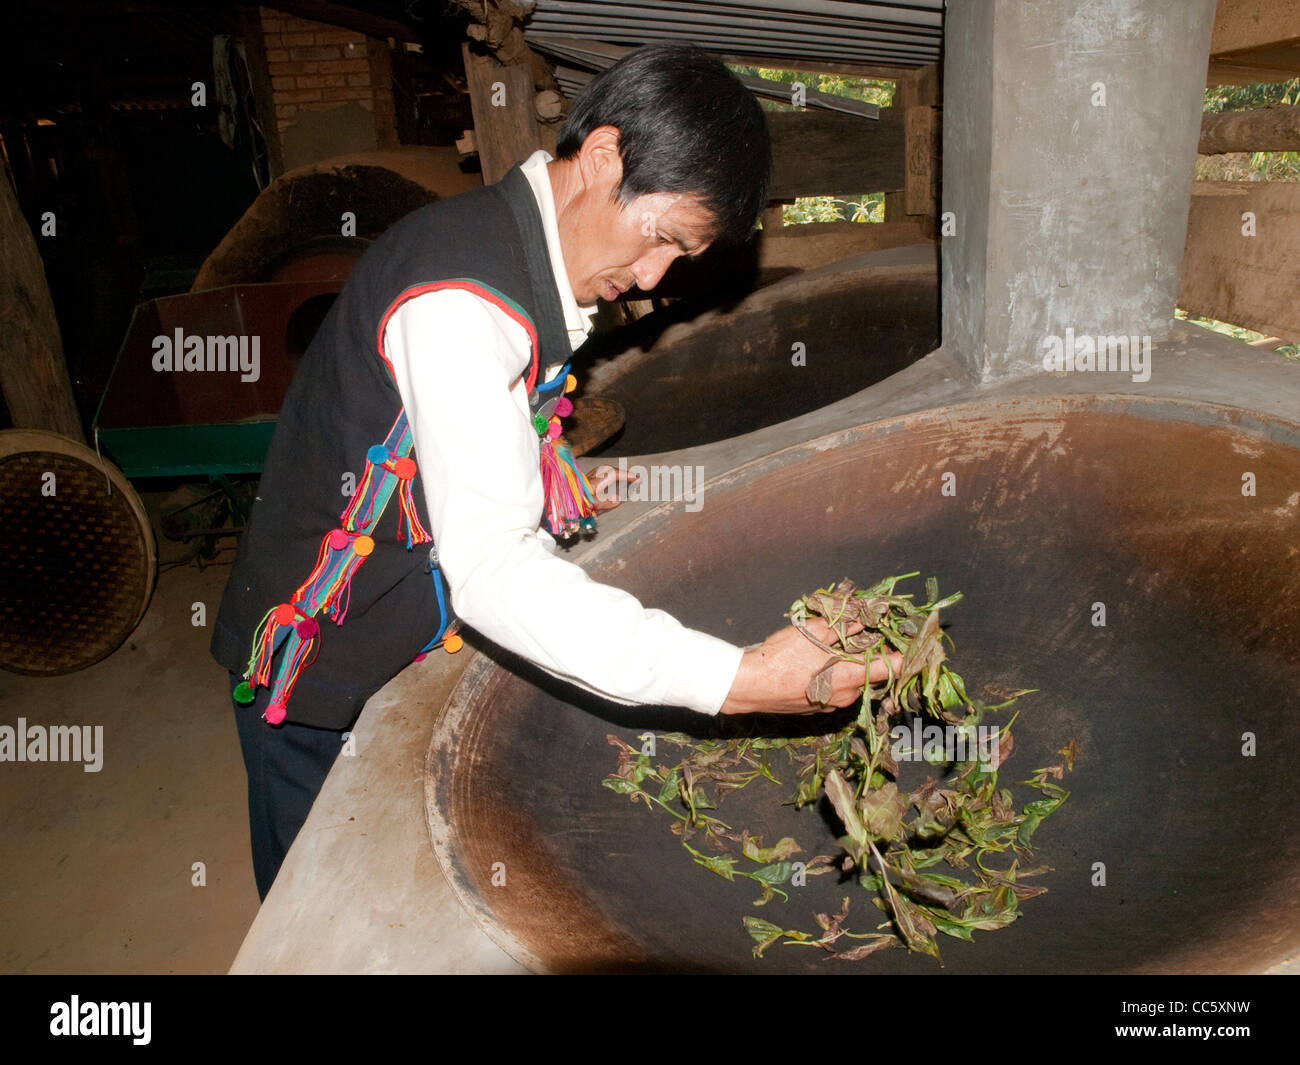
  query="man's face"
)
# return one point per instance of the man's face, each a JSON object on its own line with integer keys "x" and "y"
{"x": 610, "y": 247}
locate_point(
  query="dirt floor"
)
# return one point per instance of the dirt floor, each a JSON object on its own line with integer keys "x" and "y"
{"x": 98, "y": 869}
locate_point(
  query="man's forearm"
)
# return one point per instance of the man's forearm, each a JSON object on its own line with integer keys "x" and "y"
{"x": 457, "y": 365}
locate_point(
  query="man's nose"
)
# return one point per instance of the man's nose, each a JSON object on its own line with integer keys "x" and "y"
{"x": 651, "y": 267}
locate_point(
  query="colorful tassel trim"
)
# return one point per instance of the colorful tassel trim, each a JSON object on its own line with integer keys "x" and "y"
{"x": 570, "y": 503}
{"x": 385, "y": 472}
{"x": 290, "y": 630}
{"x": 407, "y": 517}
{"x": 289, "y": 627}
{"x": 329, "y": 587}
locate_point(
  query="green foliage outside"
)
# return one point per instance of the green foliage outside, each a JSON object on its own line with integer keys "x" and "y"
{"x": 869, "y": 208}
{"x": 1290, "y": 351}
{"x": 871, "y": 90}
{"x": 866, "y": 208}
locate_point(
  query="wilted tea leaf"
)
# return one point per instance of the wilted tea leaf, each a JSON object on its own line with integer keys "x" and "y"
{"x": 820, "y": 687}
{"x": 845, "y": 801}
{"x": 867, "y": 948}
{"x": 753, "y": 849}
{"x": 959, "y": 823}
{"x": 882, "y": 811}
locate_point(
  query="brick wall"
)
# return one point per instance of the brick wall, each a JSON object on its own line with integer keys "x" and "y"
{"x": 317, "y": 67}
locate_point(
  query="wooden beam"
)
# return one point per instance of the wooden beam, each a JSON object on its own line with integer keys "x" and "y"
{"x": 819, "y": 153}
{"x": 505, "y": 124}
{"x": 1248, "y": 280}
{"x": 1254, "y": 40}
{"x": 1272, "y": 65}
{"x": 818, "y": 243}
{"x": 1240, "y": 25}
{"x": 33, "y": 374}
{"x": 1264, "y": 129}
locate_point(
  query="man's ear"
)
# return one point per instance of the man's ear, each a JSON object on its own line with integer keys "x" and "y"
{"x": 599, "y": 160}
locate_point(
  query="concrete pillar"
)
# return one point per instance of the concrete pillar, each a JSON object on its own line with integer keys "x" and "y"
{"x": 1069, "y": 143}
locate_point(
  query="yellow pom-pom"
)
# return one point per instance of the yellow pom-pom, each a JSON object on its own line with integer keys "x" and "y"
{"x": 452, "y": 644}
{"x": 570, "y": 383}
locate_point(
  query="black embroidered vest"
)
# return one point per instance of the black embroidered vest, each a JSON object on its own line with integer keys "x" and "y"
{"x": 341, "y": 403}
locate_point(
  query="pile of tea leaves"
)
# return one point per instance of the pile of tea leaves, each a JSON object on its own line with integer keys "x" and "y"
{"x": 950, "y": 856}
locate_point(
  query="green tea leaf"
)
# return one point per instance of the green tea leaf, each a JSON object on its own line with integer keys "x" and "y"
{"x": 950, "y": 927}
{"x": 1027, "y": 828}
{"x": 965, "y": 820}
{"x": 669, "y": 791}
{"x": 765, "y": 933}
{"x": 753, "y": 849}
{"x": 718, "y": 863}
{"x": 776, "y": 873}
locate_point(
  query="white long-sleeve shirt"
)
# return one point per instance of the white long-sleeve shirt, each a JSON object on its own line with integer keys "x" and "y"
{"x": 458, "y": 362}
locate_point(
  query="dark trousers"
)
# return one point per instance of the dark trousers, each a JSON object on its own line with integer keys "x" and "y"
{"x": 286, "y": 765}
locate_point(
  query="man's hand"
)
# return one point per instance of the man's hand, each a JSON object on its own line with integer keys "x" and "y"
{"x": 772, "y": 677}
{"x": 606, "y": 482}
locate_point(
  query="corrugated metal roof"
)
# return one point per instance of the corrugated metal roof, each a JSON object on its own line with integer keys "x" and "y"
{"x": 597, "y": 56}
{"x": 822, "y": 32}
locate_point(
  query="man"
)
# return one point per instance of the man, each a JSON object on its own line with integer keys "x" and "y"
{"x": 447, "y": 326}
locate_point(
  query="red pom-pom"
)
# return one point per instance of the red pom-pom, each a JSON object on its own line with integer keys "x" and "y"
{"x": 275, "y": 713}
{"x": 284, "y": 614}
{"x": 553, "y": 430}
{"x": 404, "y": 468}
{"x": 420, "y": 657}
{"x": 564, "y": 406}
{"x": 338, "y": 540}
{"x": 307, "y": 629}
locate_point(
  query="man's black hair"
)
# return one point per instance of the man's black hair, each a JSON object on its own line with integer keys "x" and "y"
{"x": 686, "y": 125}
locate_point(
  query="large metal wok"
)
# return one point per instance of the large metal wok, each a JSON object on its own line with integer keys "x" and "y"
{"x": 1060, "y": 503}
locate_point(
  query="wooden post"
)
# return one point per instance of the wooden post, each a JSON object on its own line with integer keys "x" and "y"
{"x": 33, "y": 374}
{"x": 505, "y": 126}
{"x": 249, "y": 23}
{"x": 918, "y": 95}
